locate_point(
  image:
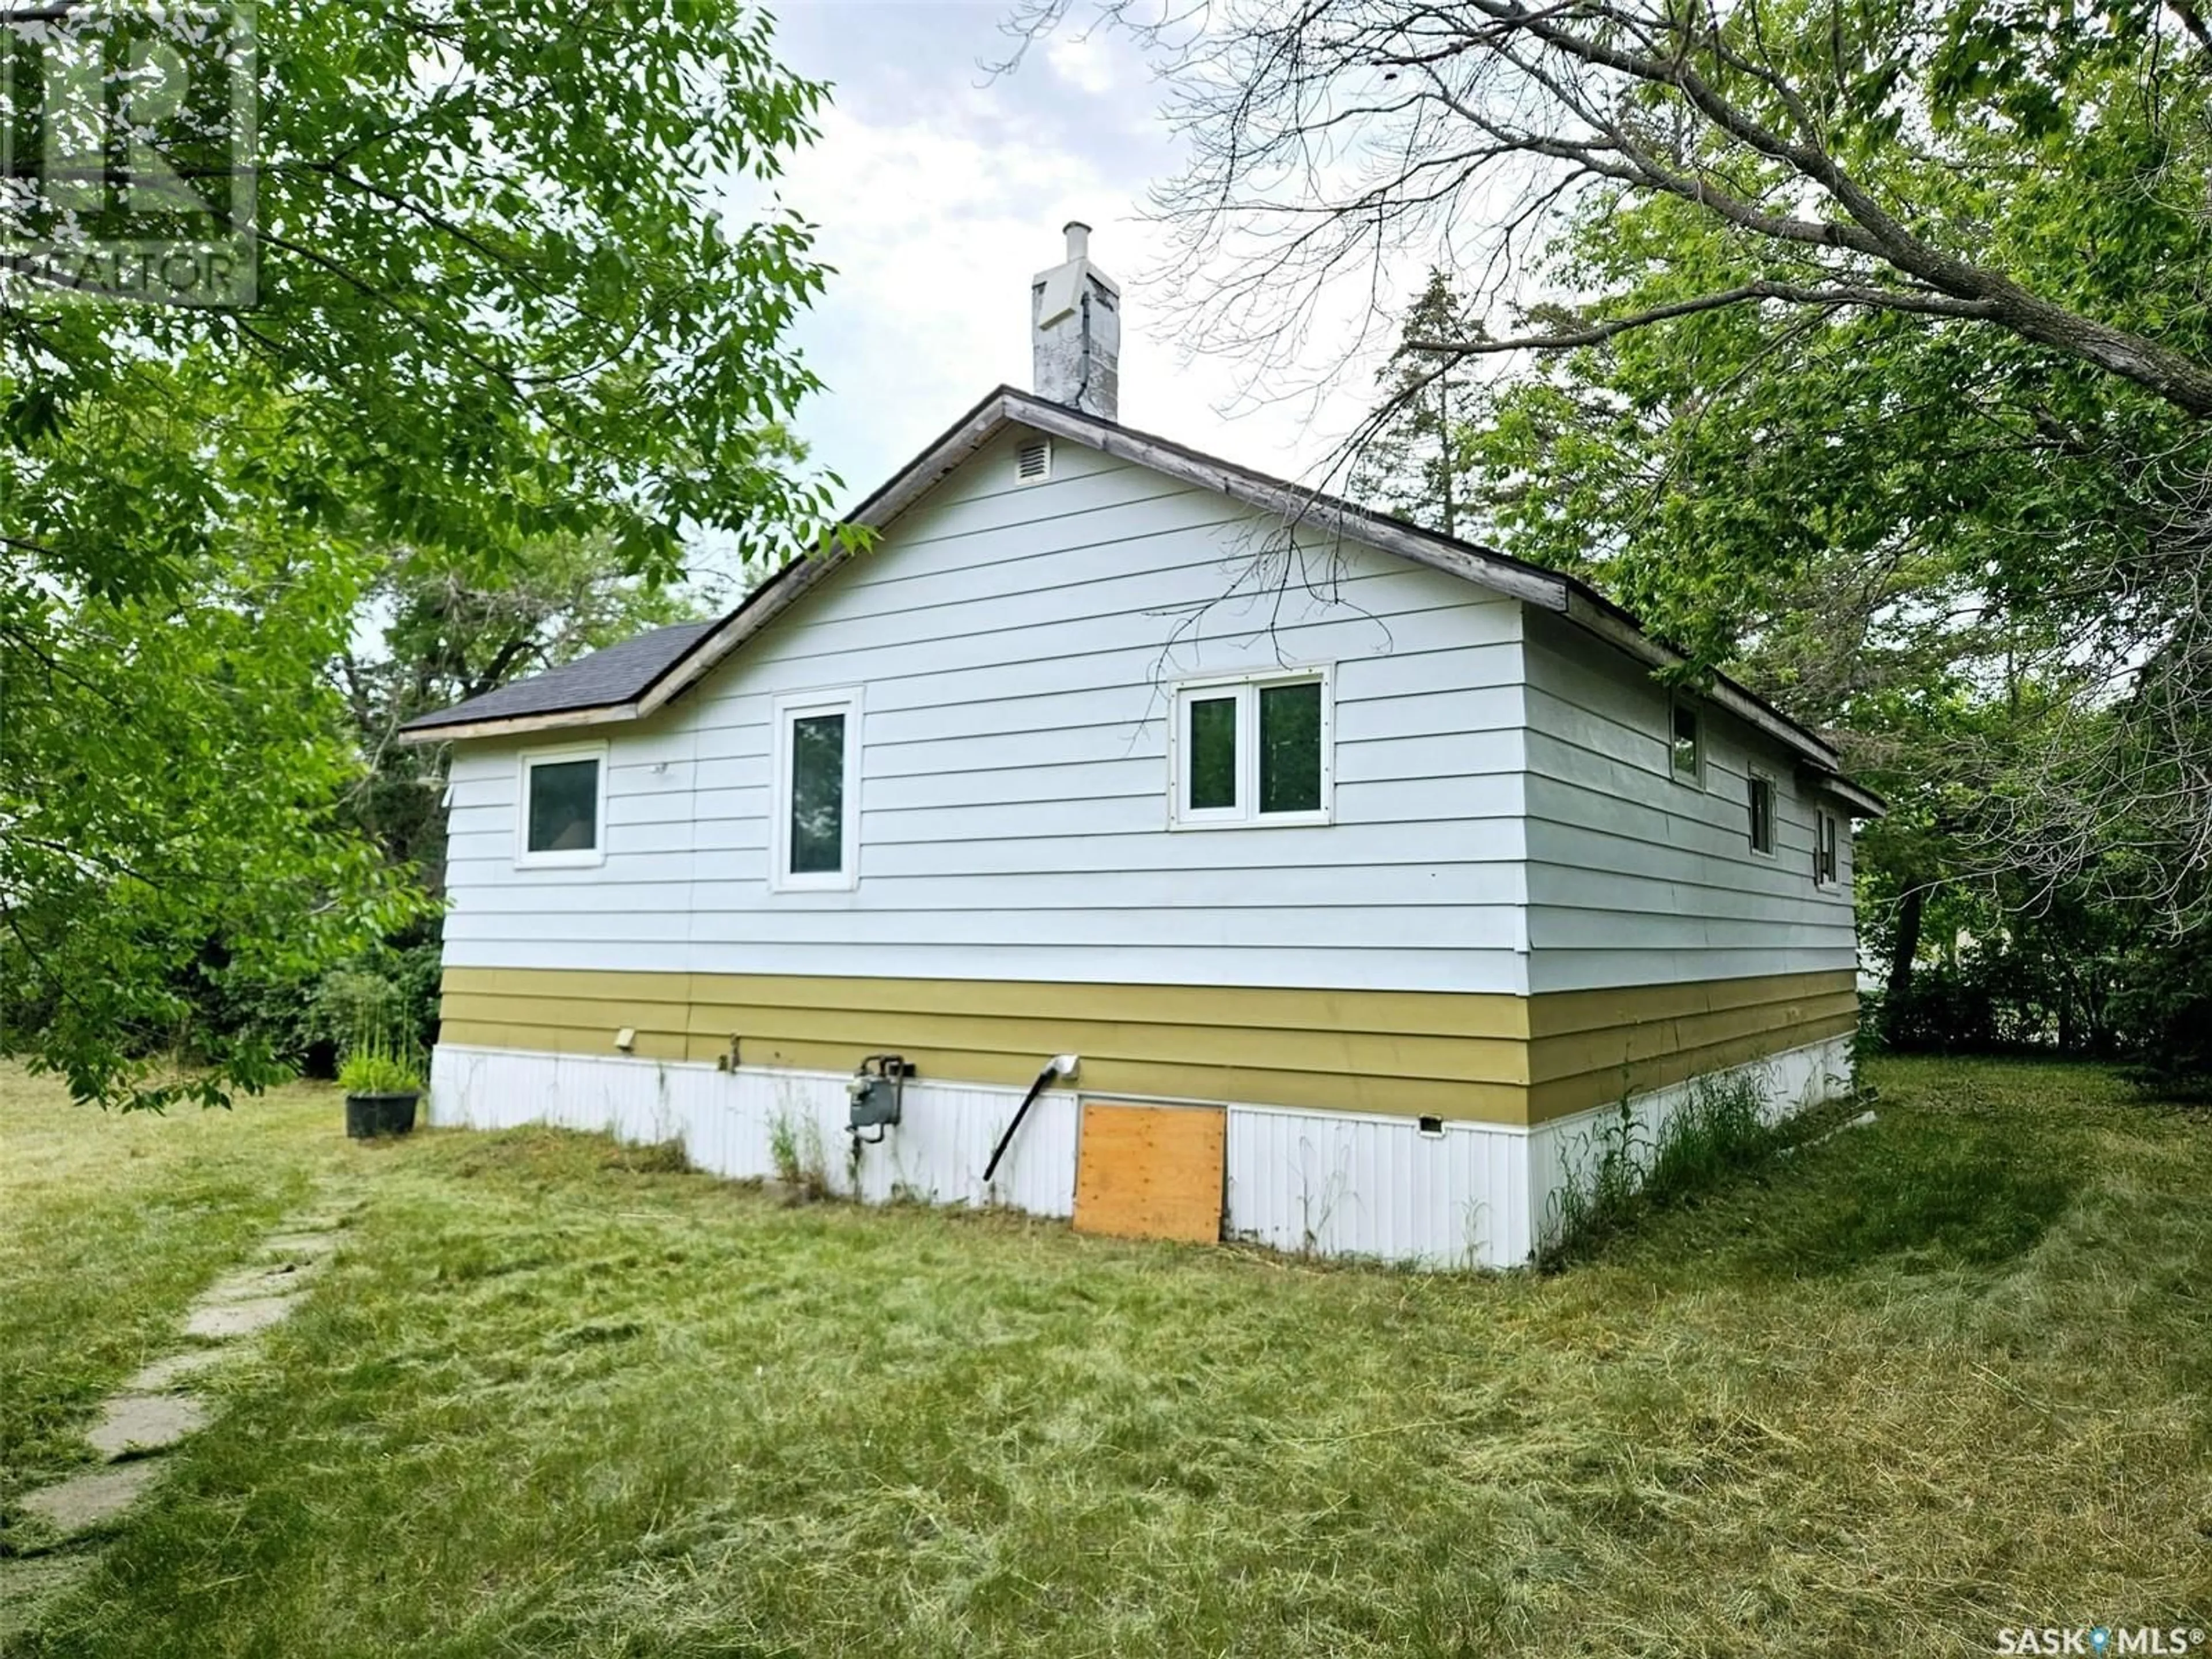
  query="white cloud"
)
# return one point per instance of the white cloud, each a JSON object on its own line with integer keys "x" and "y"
{"x": 939, "y": 191}
{"x": 1086, "y": 62}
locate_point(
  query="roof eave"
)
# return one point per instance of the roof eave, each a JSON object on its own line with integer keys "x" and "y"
{"x": 1595, "y": 614}
{"x": 503, "y": 725}
{"x": 1544, "y": 589}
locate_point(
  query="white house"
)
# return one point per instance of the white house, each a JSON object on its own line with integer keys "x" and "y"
{"x": 1310, "y": 878}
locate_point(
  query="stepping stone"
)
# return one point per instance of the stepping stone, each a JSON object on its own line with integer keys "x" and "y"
{"x": 85, "y": 1501}
{"x": 219, "y": 1321}
{"x": 28, "y": 1583}
{"x": 146, "y": 1423}
{"x": 253, "y": 1283}
{"x": 167, "y": 1373}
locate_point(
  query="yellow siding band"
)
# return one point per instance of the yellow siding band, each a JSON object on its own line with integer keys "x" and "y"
{"x": 1563, "y": 1096}
{"x": 1417, "y": 1014}
{"x": 1647, "y": 1039}
{"x": 1023, "y": 1041}
{"x": 1469, "y": 1055}
{"x": 1556, "y": 1013}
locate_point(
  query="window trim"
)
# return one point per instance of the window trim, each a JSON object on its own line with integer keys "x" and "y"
{"x": 787, "y": 709}
{"x": 527, "y": 761}
{"x": 1677, "y": 706}
{"x": 1246, "y": 814}
{"x": 1753, "y": 776}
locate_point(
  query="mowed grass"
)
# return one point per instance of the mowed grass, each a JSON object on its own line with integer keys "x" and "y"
{"x": 1909, "y": 1386}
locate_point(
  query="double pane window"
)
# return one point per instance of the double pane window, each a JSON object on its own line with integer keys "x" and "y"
{"x": 1252, "y": 751}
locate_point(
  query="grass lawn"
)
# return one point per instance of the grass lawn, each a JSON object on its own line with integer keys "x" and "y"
{"x": 1924, "y": 1381}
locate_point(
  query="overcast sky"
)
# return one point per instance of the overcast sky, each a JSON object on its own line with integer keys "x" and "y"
{"x": 940, "y": 191}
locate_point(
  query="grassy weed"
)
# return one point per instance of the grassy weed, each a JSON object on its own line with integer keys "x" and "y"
{"x": 1625, "y": 1172}
{"x": 1938, "y": 1376}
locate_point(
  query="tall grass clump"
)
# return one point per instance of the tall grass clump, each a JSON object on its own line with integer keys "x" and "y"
{"x": 379, "y": 1057}
{"x": 794, "y": 1147}
{"x": 1719, "y": 1131}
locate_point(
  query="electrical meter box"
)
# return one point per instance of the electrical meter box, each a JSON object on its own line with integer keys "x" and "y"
{"x": 876, "y": 1093}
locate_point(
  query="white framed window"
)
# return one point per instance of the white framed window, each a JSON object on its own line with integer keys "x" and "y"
{"x": 1252, "y": 749}
{"x": 1760, "y": 800}
{"x": 1685, "y": 742}
{"x": 1827, "y": 834}
{"x": 560, "y": 811}
{"x": 815, "y": 839}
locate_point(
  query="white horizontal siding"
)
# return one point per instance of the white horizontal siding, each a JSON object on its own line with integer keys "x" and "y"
{"x": 1635, "y": 877}
{"x": 1016, "y": 645}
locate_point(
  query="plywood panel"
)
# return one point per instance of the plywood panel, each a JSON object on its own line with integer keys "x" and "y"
{"x": 1151, "y": 1171}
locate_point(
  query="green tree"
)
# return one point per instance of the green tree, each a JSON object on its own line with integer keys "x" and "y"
{"x": 1412, "y": 462}
{"x": 498, "y": 306}
{"x": 446, "y": 632}
{"x": 1861, "y": 347}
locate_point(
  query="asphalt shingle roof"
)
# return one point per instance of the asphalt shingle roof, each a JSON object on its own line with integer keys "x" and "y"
{"x": 615, "y": 675}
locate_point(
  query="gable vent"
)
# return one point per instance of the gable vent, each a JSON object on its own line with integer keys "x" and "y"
{"x": 1033, "y": 460}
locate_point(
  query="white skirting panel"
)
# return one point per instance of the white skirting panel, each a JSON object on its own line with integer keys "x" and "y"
{"x": 728, "y": 1122}
{"x": 1469, "y": 1195}
{"x": 1333, "y": 1184}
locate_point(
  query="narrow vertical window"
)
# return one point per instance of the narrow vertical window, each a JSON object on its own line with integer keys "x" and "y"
{"x": 1290, "y": 747}
{"x": 816, "y": 840}
{"x": 1688, "y": 751}
{"x": 817, "y": 794}
{"x": 1212, "y": 746}
{"x": 1253, "y": 749}
{"x": 1824, "y": 849}
{"x": 1762, "y": 814}
{"x": 563, "y": 795}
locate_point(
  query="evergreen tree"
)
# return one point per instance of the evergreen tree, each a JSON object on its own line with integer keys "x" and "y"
{"x": 1411, "y": 463}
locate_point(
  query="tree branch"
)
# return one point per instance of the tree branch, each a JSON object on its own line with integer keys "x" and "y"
{"x": 1599, "y": 331}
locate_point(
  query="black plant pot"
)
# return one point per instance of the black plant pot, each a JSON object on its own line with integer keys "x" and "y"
{"x": 381, "y": 1114}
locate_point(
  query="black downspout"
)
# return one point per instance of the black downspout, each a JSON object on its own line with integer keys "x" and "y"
{"x": 1051, "y": 1071}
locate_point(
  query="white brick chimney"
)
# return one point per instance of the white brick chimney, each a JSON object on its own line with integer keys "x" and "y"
{"x": 1075, "y": 331}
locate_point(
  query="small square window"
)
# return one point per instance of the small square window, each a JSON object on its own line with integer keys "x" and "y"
{"x": 1762, "y": 814}
{"x": 563, "y": 800}
{"x": 1687, "y": 743}
{"x": 1251, "y": 750}
{"x": 817, "y": 806}
{"x": 1826, "y": 833}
